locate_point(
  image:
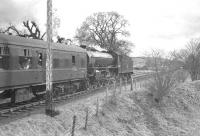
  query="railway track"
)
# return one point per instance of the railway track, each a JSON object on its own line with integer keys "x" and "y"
{"x": 30, "y": 105}
{"x": 27, "y": 106}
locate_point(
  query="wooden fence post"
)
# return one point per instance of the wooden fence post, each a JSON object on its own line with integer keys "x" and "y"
{"x": 73, "y": 125}
{"x": 131, "y": 83}
{"x": 86, "y": 118}
{"x": 97, "y": 107}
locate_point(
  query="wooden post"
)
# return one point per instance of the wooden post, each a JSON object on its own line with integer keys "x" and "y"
{"x": 73, "y": 125}
{"x": 97, "y": 107}
{"x": 131, "y": 83}
{"x": 86, "y": 118}
{"x": 49, "y": 104}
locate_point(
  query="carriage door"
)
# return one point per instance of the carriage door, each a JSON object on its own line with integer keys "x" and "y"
{"x": 41, "y": 65}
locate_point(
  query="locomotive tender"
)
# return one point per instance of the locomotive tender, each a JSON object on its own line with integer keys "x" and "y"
{"x": 23, "y": 63}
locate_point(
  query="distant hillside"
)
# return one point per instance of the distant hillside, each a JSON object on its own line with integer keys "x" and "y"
{"x": 148, "y": 63}
{"x": 139, "y": 62}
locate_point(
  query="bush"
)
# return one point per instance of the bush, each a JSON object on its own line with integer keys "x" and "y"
{"x": 160, "y": 85}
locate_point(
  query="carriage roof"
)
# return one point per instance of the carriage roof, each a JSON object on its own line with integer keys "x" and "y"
{"x": 33, "y": 43}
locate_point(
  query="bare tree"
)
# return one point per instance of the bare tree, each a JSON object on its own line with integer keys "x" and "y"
{"x": 155, "y": 60}
{"x": 190, "y": 57}
{"x": 104, "y": 29}
{"x": 31, "y": 30}
{"x": 162, "y": 80}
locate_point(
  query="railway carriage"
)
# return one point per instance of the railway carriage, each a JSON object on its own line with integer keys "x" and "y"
{"x": 23, "y": 62}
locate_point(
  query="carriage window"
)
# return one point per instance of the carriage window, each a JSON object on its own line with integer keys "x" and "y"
{"x": 4, "y": 62}
{"x": 26, "y": 52}
{"x": 4, "y": 50}
{"x": 73, "y": 60}
{"x": 4, "y": 57}
{"x": 40, "y": 59}
{"x": 25, "y": 62}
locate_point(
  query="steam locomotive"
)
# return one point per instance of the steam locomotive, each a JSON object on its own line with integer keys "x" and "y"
{"x": 23, "y": 64}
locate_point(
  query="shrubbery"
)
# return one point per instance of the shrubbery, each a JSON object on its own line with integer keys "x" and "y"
{"x": 160, "y": 85}
{"x": 168, "y": 73}
{"x": 163, "y": 82}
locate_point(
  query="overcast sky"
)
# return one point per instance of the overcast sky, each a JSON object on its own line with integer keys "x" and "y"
{"x": 162, "y": 24}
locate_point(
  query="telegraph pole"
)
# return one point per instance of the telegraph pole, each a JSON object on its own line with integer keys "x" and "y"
{"x": 49, "y": 104}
